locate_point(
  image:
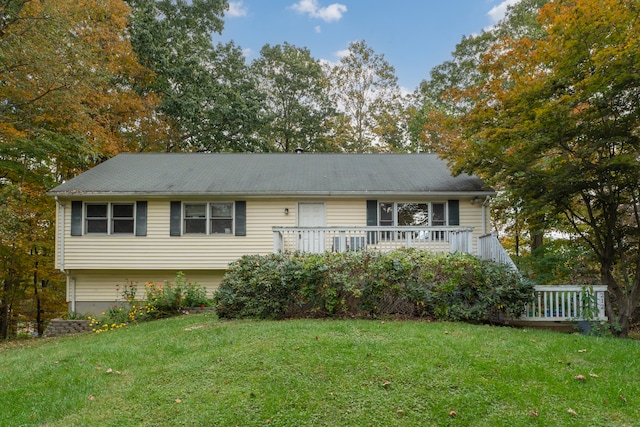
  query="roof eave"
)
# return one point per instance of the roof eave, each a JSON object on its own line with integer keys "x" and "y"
{"x": 338, "y": 194}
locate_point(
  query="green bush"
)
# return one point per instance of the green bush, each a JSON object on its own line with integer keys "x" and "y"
{"x": 259, "y": 286}
{"x": 408, "y": 283}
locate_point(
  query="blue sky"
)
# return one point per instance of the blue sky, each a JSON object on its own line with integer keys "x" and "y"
{"x": 413, "y": 35}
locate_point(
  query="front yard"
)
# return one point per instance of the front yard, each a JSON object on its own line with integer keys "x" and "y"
{"x": 198, "y": 370}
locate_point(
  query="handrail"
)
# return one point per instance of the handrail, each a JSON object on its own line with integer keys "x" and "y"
{"x": 340, "y": 239}
{"x": 490, "y": 248}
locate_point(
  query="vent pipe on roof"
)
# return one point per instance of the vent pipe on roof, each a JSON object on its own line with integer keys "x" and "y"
{"x": 299, "y": 150}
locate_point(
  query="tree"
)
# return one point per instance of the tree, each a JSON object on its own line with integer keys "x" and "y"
{"x": 67, "y": 79}
{"x": 365, "y": 90}
{"x": 557, "y": 121}
{"x": 68, "y": 70}
{"x": 441, "y": 100}
{"x": 209, "y": 101}
{"x": 297, "y": 103}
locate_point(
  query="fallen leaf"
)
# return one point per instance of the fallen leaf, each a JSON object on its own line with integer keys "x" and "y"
{"x": 178, "y": 400}
{"x": 624, "y": 399}
{"x": 118, "y": 373}
{"x": 400, "y": 411}
{"x": 452, "y": 413}
{"x": 108, "y": 371}
{"x": 98, "y": 367}
{"x": 534, "y": 413}
{"x": 592, "y": 375}
{"x": 580, "y": 377}
{"x": 572, "y": 412}
{"x": 91, "y": 397}
{"x": 584, "y": 350}
{"x": 386, "y": 384}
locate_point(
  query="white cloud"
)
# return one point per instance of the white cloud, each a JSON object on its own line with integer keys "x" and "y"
{"x": 343, "y": 53}
{"x": 236, "y": 9}
{"x": 498, "y": 12}
{"x": 317, "y": 29}
{"x": 333, "y": 12}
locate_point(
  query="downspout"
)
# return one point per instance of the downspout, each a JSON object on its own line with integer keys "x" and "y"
{"x": 71, "y": 281}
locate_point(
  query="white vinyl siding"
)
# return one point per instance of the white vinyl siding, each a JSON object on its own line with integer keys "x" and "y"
{"x": 346, "y": 212}
{"x": 159, "y": 251}
{"x": 100, "y": 285}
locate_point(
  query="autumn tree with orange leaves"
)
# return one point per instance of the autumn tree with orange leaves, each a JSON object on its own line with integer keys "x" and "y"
{"x": 67, "y": 88}
{"x": 556, "y": 120}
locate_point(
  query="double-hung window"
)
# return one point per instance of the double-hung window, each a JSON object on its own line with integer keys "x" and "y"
{"x": 208, "y": 218}
{"x": 109, "y": 218}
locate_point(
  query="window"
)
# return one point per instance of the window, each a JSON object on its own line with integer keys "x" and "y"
{"x": 195, "y": 218}
{"x": 412, "y": 214}
{"x": 438, "y": 217}
{"x": 221, "y": 218}
{"x": 109, "y": 218}
{"x": 122, "y": 218}
{"x": 208, "y": 218}
{"x": 96, "y": 218}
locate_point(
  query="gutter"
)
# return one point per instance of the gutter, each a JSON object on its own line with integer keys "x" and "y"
{"x": 271, "y": 195}
{"x": 71, "y": 281}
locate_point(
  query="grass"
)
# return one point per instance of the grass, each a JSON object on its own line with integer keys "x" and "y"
{"x": 196, "y": 370}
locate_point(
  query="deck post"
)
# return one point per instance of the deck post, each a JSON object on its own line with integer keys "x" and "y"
{"x": 278, "y": 241}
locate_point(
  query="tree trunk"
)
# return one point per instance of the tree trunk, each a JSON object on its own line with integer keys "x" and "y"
{"x": 622, "y": 301}
{"x": 4, "y": 311}
{"x": 537, "y": 240}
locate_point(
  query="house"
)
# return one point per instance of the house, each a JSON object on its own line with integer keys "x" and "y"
{"x": 144, "y": 217}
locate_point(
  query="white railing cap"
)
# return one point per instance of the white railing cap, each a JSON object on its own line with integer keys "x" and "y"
{"x": 560, "y": 288}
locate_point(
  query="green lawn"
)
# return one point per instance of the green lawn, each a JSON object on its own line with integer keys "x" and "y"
{"x": 199, "y": 371}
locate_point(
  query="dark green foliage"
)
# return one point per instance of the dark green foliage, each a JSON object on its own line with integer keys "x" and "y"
{"x": 258, "y": 286}
{"x": 407, "y": 283}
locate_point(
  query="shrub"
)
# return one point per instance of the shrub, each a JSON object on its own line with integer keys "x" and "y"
{"x": 406, "y": 282}
{"x": 171, "y": 298}
{"x": 258, "y": 286}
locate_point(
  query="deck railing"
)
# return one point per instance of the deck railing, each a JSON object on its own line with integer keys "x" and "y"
{"x": 489, "y": 247}
{"x": 341, "y": 239}
{"x": 568, "y": 302}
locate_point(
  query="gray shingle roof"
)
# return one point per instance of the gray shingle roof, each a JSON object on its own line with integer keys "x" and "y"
{"x": 162, "y": 174}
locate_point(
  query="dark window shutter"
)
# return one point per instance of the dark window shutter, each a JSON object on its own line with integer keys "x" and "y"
{"x": 372, "y": 220}
{"x": 76, "y": 218}
{"x": 454, "y": 212}
{"x": 176, "y": 218}
{"x": 241, "y": 218}
{"x": 372, "y": 213}
{"x": 141, "y": 218}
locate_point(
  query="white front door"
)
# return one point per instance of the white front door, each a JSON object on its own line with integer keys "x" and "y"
{"x": 311, "y": 215}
